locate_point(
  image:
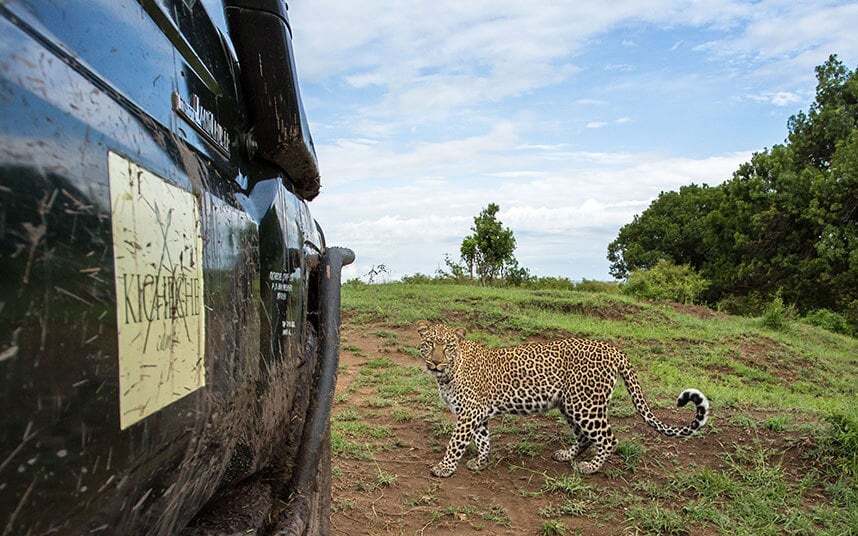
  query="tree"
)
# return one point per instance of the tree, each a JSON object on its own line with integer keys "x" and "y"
{"x": 488, "y": 251}
{"x": 673, "y": 227}
{"x": 785, "y": 224}
{"x": 469, "y": 253}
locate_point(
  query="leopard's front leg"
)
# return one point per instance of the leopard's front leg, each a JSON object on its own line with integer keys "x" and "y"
{"x": 466, "y": 424}
{"x": 483, "y": 442}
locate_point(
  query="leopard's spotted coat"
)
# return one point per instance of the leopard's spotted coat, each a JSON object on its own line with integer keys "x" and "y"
{"x": 577, "y": 376}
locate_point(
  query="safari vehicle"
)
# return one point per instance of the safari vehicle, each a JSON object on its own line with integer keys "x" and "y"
{"x": 169, "y": 311}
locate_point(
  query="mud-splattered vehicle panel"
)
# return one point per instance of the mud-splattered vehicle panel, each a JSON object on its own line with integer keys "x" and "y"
{"x": 158, "y": 303}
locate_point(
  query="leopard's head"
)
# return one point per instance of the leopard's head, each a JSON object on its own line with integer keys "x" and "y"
{"x": 439, "y": 346}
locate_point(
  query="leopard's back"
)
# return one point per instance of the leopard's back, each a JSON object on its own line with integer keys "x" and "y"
{"x": 534, "y": 377}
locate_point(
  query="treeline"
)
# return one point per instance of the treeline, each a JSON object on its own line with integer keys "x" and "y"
{"x": 785, "y": 225}
{"x": 530, "y": 282}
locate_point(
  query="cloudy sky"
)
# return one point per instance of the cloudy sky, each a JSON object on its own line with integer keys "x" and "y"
{"x": 572, "y": 116}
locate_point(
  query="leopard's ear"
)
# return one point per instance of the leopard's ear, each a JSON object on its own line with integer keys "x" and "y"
{"x": 460, "y": 333}
{"x": 422, "y": 327}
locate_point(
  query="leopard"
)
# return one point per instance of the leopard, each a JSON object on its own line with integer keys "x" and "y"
{"x": 575, "y": 375}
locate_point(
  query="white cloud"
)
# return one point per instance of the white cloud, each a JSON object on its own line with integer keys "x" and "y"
{"x": 348, "y": 160}
{"x": 778, "y": 98}
{"x": 561, "y": 203}
{"x": 430, "y": 59}
{"x": 788, "y": 39}
{"x": 600, "y": 124}
{"x": 619, "y": 67}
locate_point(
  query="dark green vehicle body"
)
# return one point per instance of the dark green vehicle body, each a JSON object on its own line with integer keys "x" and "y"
{"x": 162, "y": 86}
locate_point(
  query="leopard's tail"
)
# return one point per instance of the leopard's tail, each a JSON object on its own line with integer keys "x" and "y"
{"x": 689, "y": 395}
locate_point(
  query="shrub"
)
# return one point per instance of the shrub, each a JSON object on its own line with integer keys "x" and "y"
{"x": 850, "y": 311}
{"x": 550, "y": 283}
{"x": 592, "y": 285}
{"x": 751, "y": 304}
{"x": 777, "y": 315}
{"x": 827, "y": 319}
{"x": 516, "y": 275}
{"x": 418, "y": 279}
{"x": 666, "y": 281}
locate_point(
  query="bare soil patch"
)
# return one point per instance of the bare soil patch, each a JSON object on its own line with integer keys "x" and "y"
{"x": 773, "y": 357}
{"x": 609, "y": 311}
{"x": 700, "y": 311}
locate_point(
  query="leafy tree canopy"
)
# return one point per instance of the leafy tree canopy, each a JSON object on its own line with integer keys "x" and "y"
{"x": 786, "y": 221}
{"x": 488, "y": 252}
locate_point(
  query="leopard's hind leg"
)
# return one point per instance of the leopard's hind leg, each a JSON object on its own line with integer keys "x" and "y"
{"x": 580, "y": 442}
{"x": 586, "y": 404}
{"x": 599, "y": 432}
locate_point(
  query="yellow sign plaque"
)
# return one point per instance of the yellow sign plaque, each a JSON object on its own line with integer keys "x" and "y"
{"x": 160, "y": 314}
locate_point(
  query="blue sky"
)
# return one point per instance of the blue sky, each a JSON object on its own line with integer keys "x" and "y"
{"x": 572, "y": 116}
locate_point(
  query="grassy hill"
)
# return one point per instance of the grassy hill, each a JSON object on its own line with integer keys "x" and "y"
{"x": 770, "y": 461}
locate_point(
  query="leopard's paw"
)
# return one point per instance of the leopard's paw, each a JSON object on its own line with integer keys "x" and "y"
{"x": 564, "y": 455}
{"x": 475, "y": 465}
{"x": 586, "y": 468}
{"x": 442, "y": 471}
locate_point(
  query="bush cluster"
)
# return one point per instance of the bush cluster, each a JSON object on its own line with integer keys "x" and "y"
{"x": 827, "y": 319}
{"x": 524, "y": 281}
{"x": 777, "y": 315}
{"x": 666, "y": 281}
{"x": 751, "y": 304}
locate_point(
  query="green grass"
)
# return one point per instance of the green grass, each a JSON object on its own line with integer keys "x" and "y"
{"x": 764, "y": 381}
{"x": 670, "y": 350}
{"x": 378, "y": 402}
{"x": 570, "y": 484}
{"x": 410, "y": 351}
{"x": 498, "y": 515}
{"x": 528, "y": 448}
{"x": 630, "y": 452}
{"x": 752, "y": 495}
{"x": 384, "y": 480}
{"x": 569, "y": 507}
{"x": 348, "y": 414}
{"x": 383, "y": 334}
{"x": 394, "y": 383}
{"x": 552, "y": 528}
{"x": 402, "y": 414}
{"x": 353, "y": 350}
{"x": 361, "y": 430}
{"x": 654, "y": 519}
{"x": 743, "y": 421}
{"x": 343, "y": 447}
{"x": 343, "y": 505}
{"x": 777, "y": 423}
